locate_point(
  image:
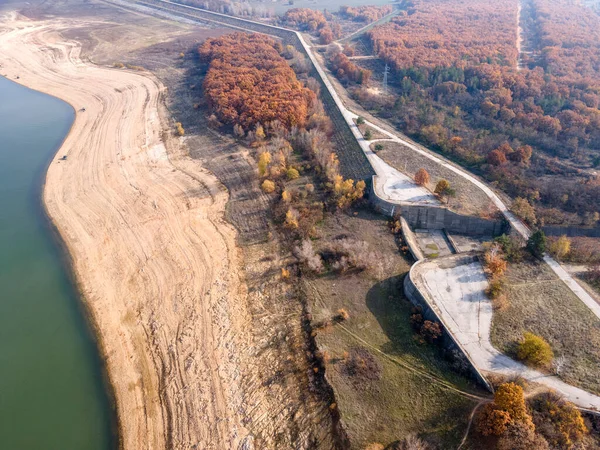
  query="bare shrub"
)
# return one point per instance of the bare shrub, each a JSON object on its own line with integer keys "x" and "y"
{"x": 410, "y": 442}
{"x": 342, "y": 315}
{"x": 362, "y": 365}
{"x": 308, "y": 257}
{"x": 431, "y": 331}
{"x": 500, "y": 302}
{"x": 347, "y": 254}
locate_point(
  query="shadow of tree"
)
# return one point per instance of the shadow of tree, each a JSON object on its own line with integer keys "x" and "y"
{"x": 392, "y": 310}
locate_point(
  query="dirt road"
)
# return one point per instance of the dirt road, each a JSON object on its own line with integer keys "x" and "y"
{"x": 156, "y": 262}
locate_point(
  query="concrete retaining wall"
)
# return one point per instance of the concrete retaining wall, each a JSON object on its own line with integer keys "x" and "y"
{"x": 411, "y": 240}
{"x": 417, "y": 298}
{"x": 552, "y": 230}
{"x": 438, "y": 218}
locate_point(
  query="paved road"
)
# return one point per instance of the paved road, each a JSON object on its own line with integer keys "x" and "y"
{"x": 514, "y": 221}
{"x": 391, "y": 184}
{"x": 458, "y": 296}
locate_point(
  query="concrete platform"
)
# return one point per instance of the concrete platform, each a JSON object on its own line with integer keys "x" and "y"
{"x": 455, "y": 287}
{"x": 433, "y": 243}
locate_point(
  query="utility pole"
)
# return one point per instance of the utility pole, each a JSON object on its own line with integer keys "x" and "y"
{"x": 386, "y": 71}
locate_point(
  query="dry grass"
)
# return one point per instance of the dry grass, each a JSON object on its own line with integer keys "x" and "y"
{"x": 469, "y": 199}
{"x": 544, "y": 305}
{"x": 382, "y": 401}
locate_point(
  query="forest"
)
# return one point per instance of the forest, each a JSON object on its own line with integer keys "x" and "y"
{"x": 534, "y": 131}
{"x": 365, "y": 13}
{"x": 231, "y": 7}
{"x": 305, "y": 19}
{"x": 344, "y": 69}
{"x": 248, "y": 82}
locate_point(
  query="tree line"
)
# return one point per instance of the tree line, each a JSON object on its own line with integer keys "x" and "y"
{"x": 532, "y": 131}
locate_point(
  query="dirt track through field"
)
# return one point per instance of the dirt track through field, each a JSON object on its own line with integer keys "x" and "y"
{"x": 155, "y": 260}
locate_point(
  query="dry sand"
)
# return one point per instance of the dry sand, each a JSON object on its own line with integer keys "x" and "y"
{"x": 156, "y": 262}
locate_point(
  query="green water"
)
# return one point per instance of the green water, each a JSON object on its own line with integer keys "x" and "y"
{"x": 51, "y": 390}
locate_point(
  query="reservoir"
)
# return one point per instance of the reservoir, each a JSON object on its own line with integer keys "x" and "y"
{"x": 52, "y": 395}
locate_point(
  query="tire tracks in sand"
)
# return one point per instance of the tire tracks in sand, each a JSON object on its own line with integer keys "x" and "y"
{"x": 155, "y": 260}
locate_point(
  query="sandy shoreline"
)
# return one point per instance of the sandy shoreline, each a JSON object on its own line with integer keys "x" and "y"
{"x": 154, "y": 258}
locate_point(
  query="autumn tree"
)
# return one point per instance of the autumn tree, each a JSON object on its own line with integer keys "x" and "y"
{"x": 268, "y": 186}
{"x": 522, "y": 208}
{"x": 430, "y": 331}
{"x": 304, "y": 18}
{"x": 521, "y": 436}
{"x": 456, "y": 78}
{"x": 509, "y": 397}
{"x": 365, "y": 13}
{"x": 522, "y": 155}
{"x": 346, "y": 70}
{"x": 292, "y": 173}
{"x": 422, "y": 177}
{"x": 443, "y": 189}
{"x": 346, "y": 191}
{"x": 560, "y": 247}
{"x": 496, "y": 158}
{"x": 493, "y": 421}
{"x": 291, "y": 219}
{"x": 495, "y": 264}
{"x": 263, "y": 163}
{"x": 249, "y": 83}
{"x": 534, "y": 350}
{"x": 558, "y": 420}
{"x": 507, "y": 410}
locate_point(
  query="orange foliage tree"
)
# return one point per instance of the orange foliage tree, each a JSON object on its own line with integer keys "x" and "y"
{"x": 422, "y": 177}
{"x": 346, "y": 70}
{"x": 365, "y": 13}
{"x": 304, "y": 18}
{"x": 508, "y": 408}
{"x": 248, "y": 82}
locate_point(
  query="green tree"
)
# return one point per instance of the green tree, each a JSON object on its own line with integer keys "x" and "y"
{"x": 444, "y": 190}
{"x": 537, "y": 244}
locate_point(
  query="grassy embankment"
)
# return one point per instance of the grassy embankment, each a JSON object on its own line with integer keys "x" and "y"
{"x": 391, "y": 398}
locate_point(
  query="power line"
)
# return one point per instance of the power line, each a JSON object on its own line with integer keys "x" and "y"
{"x": 386, "y": 71}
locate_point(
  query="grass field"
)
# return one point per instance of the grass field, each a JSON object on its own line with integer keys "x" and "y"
{"x": 393, "y": 398}
{"x": 544, "y": 305}
{"x": 469, "y": 198}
